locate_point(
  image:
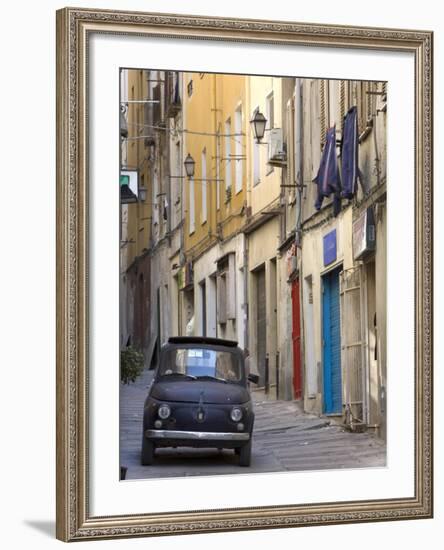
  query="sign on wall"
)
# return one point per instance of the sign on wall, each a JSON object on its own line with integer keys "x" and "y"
{"x": 329, "y": 247}
{"x": 364, "y": 234}
{"x": 129, "y": 187}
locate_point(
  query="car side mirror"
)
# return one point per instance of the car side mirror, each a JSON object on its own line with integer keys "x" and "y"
{"x": 253, "y": 378}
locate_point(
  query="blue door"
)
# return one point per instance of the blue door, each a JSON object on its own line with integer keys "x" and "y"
{"x": 331, "y": 345}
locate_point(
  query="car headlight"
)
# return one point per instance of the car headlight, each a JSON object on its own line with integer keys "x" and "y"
{"x": 236, "y": 414}
{"x": 164, "y": 411}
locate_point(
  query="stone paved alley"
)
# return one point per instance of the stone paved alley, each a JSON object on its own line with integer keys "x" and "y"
{"x": 284, "y": 439}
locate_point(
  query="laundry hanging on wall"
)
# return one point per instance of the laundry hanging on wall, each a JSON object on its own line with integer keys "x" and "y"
{"x": 328, "y": 179}
{"x": 350, "y": 155}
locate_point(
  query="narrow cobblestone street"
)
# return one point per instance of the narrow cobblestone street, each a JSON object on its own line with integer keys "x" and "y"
{"x": 284, "y": 439}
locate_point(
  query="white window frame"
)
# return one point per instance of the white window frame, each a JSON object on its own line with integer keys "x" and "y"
{"x": 204, "y": 196}
{"x": 269, "y": 101}
{"x": 192, "y": 220}
{"x": 238, "y": 174}
{"x": 228, "y": 153}
{"x": 218, "y": 172}
{"x": 256, "y": 157}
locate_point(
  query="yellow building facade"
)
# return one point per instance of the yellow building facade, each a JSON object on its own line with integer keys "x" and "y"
{"x": 135, "y": 232}
{"x": 214, "y": 135}
{"x": 139, "y": 227}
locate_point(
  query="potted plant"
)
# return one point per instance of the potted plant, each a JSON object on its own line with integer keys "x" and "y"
{"x": 131, "y": 364}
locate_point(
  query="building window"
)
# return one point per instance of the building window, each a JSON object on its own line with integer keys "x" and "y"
{"x": 191, "y": 208}
{"x": 343, "y": 103}
{"x": 324, "y": 114}
{"x": 176, "y": 189}
{"x": 204, "y": 186}
{"x": 221, "y": 298}
{"x": 269, "y": 108}
{"x": 362, "y": 88}
{"x": 218, "y": 171}
{"x": 270, "y": 111}
{"x": 256, "y": 157}
{"x": 291, "y": 146}
{"x": 363, "y": 101}
{"x": 155, "y": 199}
{"x": 228, "y": 156}
{"x": 226, "y": 289}
{"x": 238, "y": 149}
{"x": 190, "y": 88}
{"x": 384, "y": 91}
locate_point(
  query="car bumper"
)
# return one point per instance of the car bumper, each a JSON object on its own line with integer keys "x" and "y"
{"x": 172, "y": 435}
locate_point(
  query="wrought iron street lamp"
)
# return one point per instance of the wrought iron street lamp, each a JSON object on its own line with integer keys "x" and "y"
{"x": 258, "y": 123}
{"x": 189, "y": 166}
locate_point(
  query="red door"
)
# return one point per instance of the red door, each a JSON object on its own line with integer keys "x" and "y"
{"x": 296, "y": 338}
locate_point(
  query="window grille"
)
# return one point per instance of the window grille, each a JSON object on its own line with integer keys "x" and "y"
{"x": 352, "y": 347}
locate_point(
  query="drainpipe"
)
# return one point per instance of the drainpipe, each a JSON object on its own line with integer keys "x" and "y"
{"x": 167, "y": 157}
{"x": 246, "y": 312}
{"x": 377, "y": 159}
{"x": 214, "y": 188}
{"x": 299, "y": 138}
{"x": 183, "y": 180}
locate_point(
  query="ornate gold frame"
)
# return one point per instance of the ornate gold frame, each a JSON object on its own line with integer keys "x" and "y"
{"x": 73, "y": 519}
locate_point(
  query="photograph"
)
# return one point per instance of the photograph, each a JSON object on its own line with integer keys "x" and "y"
{"x": 244, "y": 322}
{"x": 253, "y": 274}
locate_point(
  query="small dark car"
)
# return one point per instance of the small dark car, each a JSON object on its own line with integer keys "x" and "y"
{"x": 199, "y": 398}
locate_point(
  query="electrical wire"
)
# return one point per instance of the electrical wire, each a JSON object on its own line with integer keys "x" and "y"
{"x": 176, "y": 131}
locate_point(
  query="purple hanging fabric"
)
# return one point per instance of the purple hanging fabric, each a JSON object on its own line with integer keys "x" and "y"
{"x": 350, "y": 155}
{"x": 328, "y": 180}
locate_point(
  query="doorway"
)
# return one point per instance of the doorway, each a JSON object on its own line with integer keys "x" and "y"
{"x": 203, "y": 302}
{"x": 331, "y": 343}
{"x": 296, "y": 339}
{"x": 261, "y": 325}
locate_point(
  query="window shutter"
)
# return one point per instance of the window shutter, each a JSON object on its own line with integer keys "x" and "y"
{"x": 221, "y": 299}
{"x": 384, "y": 91}
{"x": 218, "y": 169}
{"x": 324, "y": 108}
{"x": 342, "y": 98}
{"x": 342, "y": 104}
{"x": 203, "y": 187}
{"x": 256, "y": 157}
{"x": 238, "y": 149}
{"x": 365, "y": 105}
{"x": 290, "y": 144}
{"x": 228, "y": 154}
{"x": 231, "y": 287}
{"x": 191, "y": 205}
{"x": 370, "y": 96}
{"x": 272, "y": 111}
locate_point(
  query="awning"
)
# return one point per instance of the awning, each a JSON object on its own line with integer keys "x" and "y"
{"x": 126, "y": 195}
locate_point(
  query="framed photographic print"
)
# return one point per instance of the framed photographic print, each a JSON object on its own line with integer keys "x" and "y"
{"x": 244, "y": 276}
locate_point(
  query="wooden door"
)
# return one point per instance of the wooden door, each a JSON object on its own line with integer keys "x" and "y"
{"x": 331, "y": 348}
{"x": 261, "y": 325}
{"x": 296, "y": 339}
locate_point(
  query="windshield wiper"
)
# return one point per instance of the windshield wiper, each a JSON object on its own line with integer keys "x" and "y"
{"x": 213, "y": 378}
{"x": 189, "y": 376}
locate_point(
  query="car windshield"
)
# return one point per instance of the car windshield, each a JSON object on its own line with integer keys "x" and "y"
{"x": 201, "y": 363}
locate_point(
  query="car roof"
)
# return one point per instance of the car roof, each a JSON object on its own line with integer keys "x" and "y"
{"x": 202, "y": 340}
